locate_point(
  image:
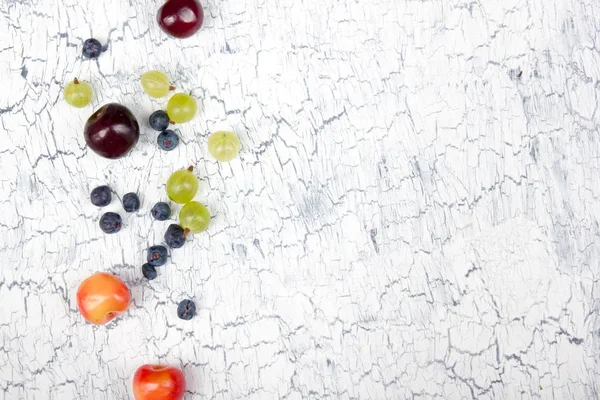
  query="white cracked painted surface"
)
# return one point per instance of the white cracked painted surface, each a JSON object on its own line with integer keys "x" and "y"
{"x": 411, "y": 216}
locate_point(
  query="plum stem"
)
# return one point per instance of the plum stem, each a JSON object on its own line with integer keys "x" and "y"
{"x": 171, "y": 87}
{"x": 186, "y": 232}
{"x": 76, "y": 81}
{"x": 191, "y": 168}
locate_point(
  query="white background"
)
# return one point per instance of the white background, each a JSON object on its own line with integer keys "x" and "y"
{"x": 414, "y": 213}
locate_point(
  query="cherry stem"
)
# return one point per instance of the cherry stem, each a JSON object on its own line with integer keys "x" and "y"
{"x": 76, "y": 81}
{"x": 186, "y": 232}
{"x": 171, "y": 87}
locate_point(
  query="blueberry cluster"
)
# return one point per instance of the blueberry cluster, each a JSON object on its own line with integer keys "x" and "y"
{"x": 111, "y": 222}
{"x": 158, "y": 255}
{"x": 167, "y": 139}
{"x": 174, "y": 238}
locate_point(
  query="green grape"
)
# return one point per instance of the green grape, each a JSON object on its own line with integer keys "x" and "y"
{"x": 78, "y": 94}
{"x": 156, "y": 84}
{"x": 182, "y": 186}
{"x": 181, "y": 108}
{"x": 223, "y": 145}
{"x": 194, "y": 216}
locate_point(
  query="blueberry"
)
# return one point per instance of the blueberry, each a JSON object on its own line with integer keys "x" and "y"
{"x": 161, "y": 211}
{"x": 186, "y": 309}
{"x": 159, "y": 120}
{"x": 131, "y": 202}
{"x": 149, "y": 272}
{"x": 168, "y": 140}
{"x": 101, "y": 196}
{"x": 157, "y": 256}
{"x": 92, "y": 48}
{"x": 110, "y": 222}
{"x": 175, "y": 236}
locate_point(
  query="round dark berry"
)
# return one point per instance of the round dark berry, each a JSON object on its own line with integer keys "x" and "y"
{"x": 92, "y": 48}
{"x": 167, "y": 140}
{"x": 110, "y": 222}
{"x": 101, "y": 196}
{"x": 175, "y": 236}
{"x": 131, "y": 202}
{"x": 149, "y": 272}
{"x": 186, "y": 309}
{"x": 159, "y": 120}
{"x": 161, "y": 211}
{"x": 157, "y": 255}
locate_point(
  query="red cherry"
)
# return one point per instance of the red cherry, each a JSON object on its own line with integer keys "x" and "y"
{"x": 158, "y": 382}
{"x": 180, "y": 18}
{"x": 102, "y": 297}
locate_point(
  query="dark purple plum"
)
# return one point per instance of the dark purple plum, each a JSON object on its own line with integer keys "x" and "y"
{"x": 112, "y": 131}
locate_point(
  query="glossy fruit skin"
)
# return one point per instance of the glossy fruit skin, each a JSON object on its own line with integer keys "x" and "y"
{"x": 101, "y": 196}
{"x": 159, "y": 120}
{"x": 78, "y": 93}
{"x": 167, "y": 140}
{"x": 186, "y": 309}
{"x": 155, "y": 83}
{"x": 157, "y": 382}
{"x": 180, "y": 18}
{"x": 102, "y": 297}
{"x": 110, "y": 222}
{"x": 157, "y": 255}
{"x": 182, "y": 186}
{"x": 224, "y": 146}
{"x": 175, "y": 236}
{"x": 181, "y": 107}
{"x": 112, "y": 131}
{"x": 131, "y": 202}
{"x": 194, "y": 216}
{"x": 92, "y": 48}
{"x": 149, "y": 272}
{"x": 161, "y": 211}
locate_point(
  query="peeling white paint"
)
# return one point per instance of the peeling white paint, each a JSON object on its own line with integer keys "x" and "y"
{"x": 414, "y": 213}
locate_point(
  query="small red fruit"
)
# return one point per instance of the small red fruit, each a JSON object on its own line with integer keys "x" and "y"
{"x": 180, "y": 18}
{"x": 102, "y": 297}
{"x": 158, "y": 382}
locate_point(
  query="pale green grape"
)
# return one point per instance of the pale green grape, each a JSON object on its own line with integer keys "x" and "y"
{"x": 223, "y": 145}
{"x": 194, "y": 216}
{"x": 181, "y": 108}
{"x": 182, "y": 186}
{"x": 155, "y": 83}
{"x": 78, "y": 94}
